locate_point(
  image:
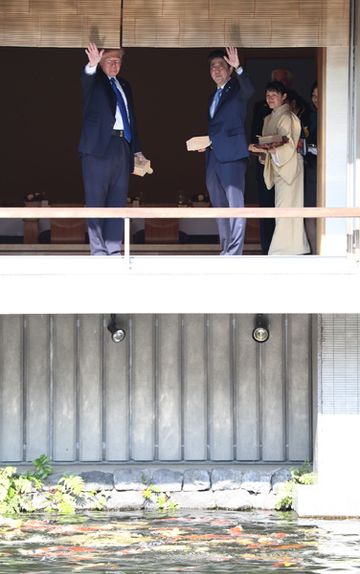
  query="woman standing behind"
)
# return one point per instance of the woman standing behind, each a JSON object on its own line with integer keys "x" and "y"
{"x": 284, "y": 169}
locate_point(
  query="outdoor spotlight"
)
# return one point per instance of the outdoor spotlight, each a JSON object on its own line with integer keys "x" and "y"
{"x": 117, "y": 333}
{"x": 261, "y": 332}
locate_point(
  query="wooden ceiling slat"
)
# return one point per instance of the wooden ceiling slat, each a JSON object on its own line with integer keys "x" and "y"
{"x": 201, "y": 33}
{"x": 164, "y": 32}
{"x": 64, "y": 30}
{"x": 102, "y": 8}
{"x": 143, "y": 8}
{"x": 14, "y": 7}
{"x": 285, "y": 9}
{"x": 58, "y": 7}
{"x": 248, "y": 32}
{"x": 186, "y": 8}
{"x": 18, "y": 30}
{"x": 307, "y": 32}
{"x": 105, "y": 32}
{"x": 175, "y": 23}
{"x": 228, "y": 8}
{"x": 129, "y": 31}
{"x": 311, "y": 8}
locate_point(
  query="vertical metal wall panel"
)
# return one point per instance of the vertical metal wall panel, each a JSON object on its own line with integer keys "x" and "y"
{"x": 116, "y": 363}
{"x": 189, "y": 387}
{"x": 272, "y": 392}
{"x": 220, "y": 388}
{"x": 169, "y": 387}
{"x": 299, "y": 387}
{"x": 64, "y": 378}
{"x": 246, "y": 390}
{"x": 90, "y": 387}
{"x": 143, "y": 388}
{"x": 195, "y": 387}
{"x": 11, "y": 385}
{"x": 37, "y": 380}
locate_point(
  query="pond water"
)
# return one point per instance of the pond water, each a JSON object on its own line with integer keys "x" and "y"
{"x": 201, "y": 542}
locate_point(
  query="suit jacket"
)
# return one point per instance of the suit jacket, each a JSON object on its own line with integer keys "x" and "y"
{"x": 99, "y": 114}
{"x": 227, "y": 127}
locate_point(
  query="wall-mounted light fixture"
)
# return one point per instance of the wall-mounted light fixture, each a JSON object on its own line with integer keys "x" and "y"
{"x": 261, "y": 332}
{"x": 117, "y": 333}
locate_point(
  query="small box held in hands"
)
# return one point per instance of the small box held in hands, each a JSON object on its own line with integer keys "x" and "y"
{"x": 271, "y": 141}
{"x": 198, "y": 142}
{"x": 142, "y": 166}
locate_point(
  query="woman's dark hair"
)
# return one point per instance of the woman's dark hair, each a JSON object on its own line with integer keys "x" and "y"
{"x": 276, "y": 86}
{"x": 313, "y": 88}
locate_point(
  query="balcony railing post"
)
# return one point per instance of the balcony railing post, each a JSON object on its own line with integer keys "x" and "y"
{"x": 127, "y": 241}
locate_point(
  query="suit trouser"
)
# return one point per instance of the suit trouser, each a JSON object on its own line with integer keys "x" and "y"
{"x": 226, "y": 184}
{"x": 106, "y": 182}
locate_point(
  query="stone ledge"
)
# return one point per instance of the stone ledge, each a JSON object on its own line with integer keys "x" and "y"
{"x": 221, "y": 487}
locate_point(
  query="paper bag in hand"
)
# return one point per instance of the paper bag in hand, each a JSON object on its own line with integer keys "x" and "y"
{"x": 142, "y": 166}
{"x": 198, "y": 142}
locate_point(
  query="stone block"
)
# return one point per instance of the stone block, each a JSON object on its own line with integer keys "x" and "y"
{"x": 132, "y": 478}
{"x": 263, "y": 501}
{"x": 278, "y": 478}
{"x": 167, "y": 480}
{"x": 97, "y": 480}
{"x": 233, "y": 500}
{"x": 125, "y": 500}
{"x": 256, "y": 482}
{"x": 204, "y": 500}
{"x": 53, "y": 479}
{"x": 196, "y": 479}
{"x": 226, "y": 479}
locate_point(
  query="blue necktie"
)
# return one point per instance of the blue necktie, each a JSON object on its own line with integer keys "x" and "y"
{"x": 215, "y": 102}
{"x": 122, "y": 108}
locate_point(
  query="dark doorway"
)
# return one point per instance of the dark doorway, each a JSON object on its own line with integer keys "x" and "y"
{"x": 41, "y": 115}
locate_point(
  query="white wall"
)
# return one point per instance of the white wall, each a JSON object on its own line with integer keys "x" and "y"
{"x": 336, "y": 144}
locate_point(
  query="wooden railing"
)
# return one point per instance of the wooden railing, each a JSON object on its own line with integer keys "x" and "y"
{"x": 128, "y": 213}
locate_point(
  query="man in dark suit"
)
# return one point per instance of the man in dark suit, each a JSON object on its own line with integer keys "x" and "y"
{"x": 226, "y": 160}
{"x": 108, "y": 143}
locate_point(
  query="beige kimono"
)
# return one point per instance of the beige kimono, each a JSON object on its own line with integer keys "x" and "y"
{"x": 285, "y": 170}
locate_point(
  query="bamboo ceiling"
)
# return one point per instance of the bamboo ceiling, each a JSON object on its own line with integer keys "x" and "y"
{"x": 175, "y": 23}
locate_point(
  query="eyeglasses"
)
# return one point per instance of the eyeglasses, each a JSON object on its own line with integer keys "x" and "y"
{"x": 116, "y": 62}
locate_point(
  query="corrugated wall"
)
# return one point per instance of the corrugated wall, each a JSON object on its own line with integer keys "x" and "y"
{"x": 180, "y": 387}
{"x": 174, "y": 23}
{"x": 339, "y": 393}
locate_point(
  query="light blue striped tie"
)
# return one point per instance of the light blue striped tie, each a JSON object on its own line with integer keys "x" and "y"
{"x": 215, "y": 102}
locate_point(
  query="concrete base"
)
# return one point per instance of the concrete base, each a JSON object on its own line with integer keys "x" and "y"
{"x": 327, "y": 501}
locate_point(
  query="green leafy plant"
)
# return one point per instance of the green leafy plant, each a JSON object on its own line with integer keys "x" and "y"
{"x": 301, "y": 475}
{"x": 43, "y": 468}
{"x": 162, "y": 500}
{"x": 17, "y": 490}
{"x": 62, "y": 497}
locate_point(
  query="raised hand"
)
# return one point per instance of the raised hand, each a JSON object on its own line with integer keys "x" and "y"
{"x": 93, "y": 54}
{"x": 232, "y": 57}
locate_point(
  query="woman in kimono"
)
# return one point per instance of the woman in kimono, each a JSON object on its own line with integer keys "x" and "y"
{"x": 283, "y": 167}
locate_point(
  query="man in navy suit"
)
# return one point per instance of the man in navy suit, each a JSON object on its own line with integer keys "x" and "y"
{"x": 226, "y": 160}
{"x": 108, "y": 143}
